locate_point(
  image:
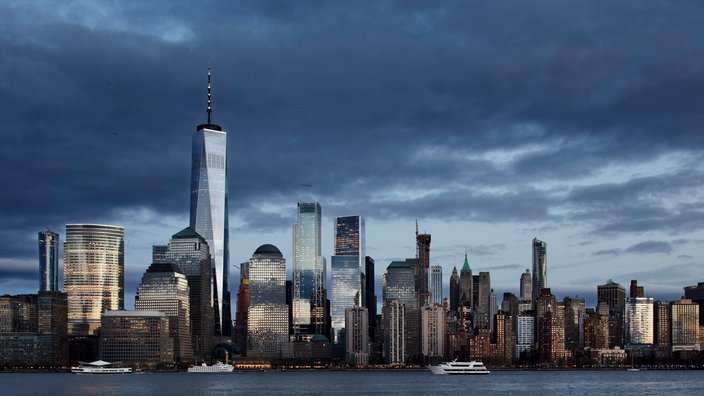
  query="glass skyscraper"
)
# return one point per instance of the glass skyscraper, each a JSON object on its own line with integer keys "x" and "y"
{"x": 48, "y": 261}
{"x": 346, "y": 268}
{"x": 267, "y": 324}
{"x": 94, "y": 267}
{"x": 209, "y": 208}
{"x": 309, "y": 274}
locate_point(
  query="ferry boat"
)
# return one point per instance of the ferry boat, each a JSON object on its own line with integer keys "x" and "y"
{"x": 100, "y": 367}
{"x": 459, "y": 368}
{"x": 218, "y": 367}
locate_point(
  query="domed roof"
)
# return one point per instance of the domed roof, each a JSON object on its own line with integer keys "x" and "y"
{"x": 267, "y": 249}
{"x": 319, "y": 338}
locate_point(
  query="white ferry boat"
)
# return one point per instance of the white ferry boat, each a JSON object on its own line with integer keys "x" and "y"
{"x": 216, "y": 368}
{"x": 459, "y": 368}
{"x": 100, "y": 367}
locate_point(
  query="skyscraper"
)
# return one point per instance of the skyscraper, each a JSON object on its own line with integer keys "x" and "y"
{"x": 190, "y": 252}
{"x": 466, "y": 285}
{"x": 346, "y": 268}
{"x": 436, "y": 284}
{"x": 164, "y": 288}
{"x": 267, "y": 324}
{"x": 94, "y": 268}
{"x": 209, "y": 208}
{"x": 540, "y": 267}
{"x": 614, "y": 295}
{"x": 640, "y": 322}
{"x": 526, "y": 286}
{"x": 309, "y": 274}
{"x": 371, "y": 294}
{"x": 48, "y": 261}
{"x": 454, "y": 290}
{"x": 421, "y": 277}
{"x": 357, "y": 336}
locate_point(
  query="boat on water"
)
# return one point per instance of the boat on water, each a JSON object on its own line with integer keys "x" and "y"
{"x": 459, "y": 368}
{"x": 218, "y": 367}
{"x": 100, "y": 367}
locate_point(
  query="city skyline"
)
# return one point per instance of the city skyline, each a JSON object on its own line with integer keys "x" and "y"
{"x": 574, "y": 124}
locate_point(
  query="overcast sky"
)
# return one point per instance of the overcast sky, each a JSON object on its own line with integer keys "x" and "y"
{"x": 491, "y": 123}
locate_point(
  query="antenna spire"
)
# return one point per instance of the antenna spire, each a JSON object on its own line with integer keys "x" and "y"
{"x": 209, "y": 110}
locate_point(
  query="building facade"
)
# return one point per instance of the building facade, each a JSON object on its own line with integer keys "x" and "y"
{"x": 640, "y": 324}
{"x": 190, "y": 252}
{"x": 309, "y": 272}
{"x": 209, "y": 209}
{"x": 346, "y": 268}
{"x": 433, "y": 333}
{"x": 540, "y": 267}
{"x": 93, "y": 274}
{"x": 164, "y": 288}
{"x": 526, "y": 287}
{"x": 136, "y": 337}
{"x": 268, "y": 321}
{"x": 48, "y": 261}
{"x": 357, "y": 336}
{"x": 436, "y": 284}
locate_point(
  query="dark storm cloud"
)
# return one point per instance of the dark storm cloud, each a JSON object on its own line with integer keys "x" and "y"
{"x": 384, "y": 108}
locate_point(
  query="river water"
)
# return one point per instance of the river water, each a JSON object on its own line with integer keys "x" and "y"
{"x": 388, "y": 382}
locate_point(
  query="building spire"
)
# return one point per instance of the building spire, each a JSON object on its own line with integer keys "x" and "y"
{"x": 209, "y": 110}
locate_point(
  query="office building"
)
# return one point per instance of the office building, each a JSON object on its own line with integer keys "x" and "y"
{"x": 33, "y": 329}
{"x": 575, "y": 312}
{"x": 696, "y": 294}
{"x": 190, "y": 252}
{"x": 540, "y": 267}
{"x": 357, "y": 336}
{"x": 436, "y": 285}
{"x": 93, "y": 274}
{"x": 526, "y": 287}
{"x": 159, "y": 253}
{"x": 346, "y": 269}
{"x": 268, "y": 321}
{"x": 48, "y": 261}
{"x": 239, "y": 337}
{"x": 614, "y": 295}
{"x": 454, "y": 291}
{"x": 164, "y": 288}
{"x": 662, "y": 324}
{"x": 309, "y": 273}
{"x": 684, "y": 315}
{"x": 136, "y": 337}
{"x": 466, "y": 285}
{"x": 209, "y": 209}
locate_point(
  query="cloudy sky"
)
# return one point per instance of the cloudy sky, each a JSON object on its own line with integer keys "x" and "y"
{"x": 490, "y": 122}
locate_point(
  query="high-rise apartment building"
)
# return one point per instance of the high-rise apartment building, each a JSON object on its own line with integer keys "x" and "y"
{"x": 309, "y": 273}
{"x": 94, "y": 270}
{"x": 394, "y": 325}
{"x": 357, "y": 336}
{"x": 209, "y": 209}
{"x": 526, "y": 286}
{"x": 399, "y": 291}
{"x": 436, "y": 284}
{"x": 371, "y": 295}
{"x": 346, "y": 269}
{"x": 421, "y": 276}
{"x": 433, "y": 333}
{"x": 190, "y": 252}
{"x": 239, "y": 337}
{"x": 639, "y": 320}
{"x": 268, "y": 321}
{"x": 540, "y": 267}
{"x": 164, "y": 288}
{"x": 48, "y": 261}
